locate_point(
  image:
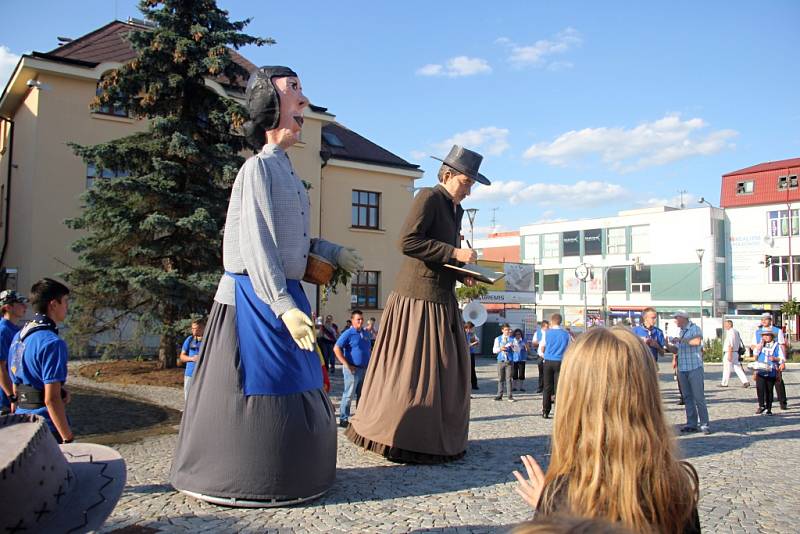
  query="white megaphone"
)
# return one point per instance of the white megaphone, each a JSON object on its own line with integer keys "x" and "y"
{"x": 475, "y": 313}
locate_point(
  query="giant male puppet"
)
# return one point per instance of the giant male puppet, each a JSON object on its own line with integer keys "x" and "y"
{"x": 258, "y": 429}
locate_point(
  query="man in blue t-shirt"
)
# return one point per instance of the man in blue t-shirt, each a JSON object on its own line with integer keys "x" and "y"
{"x": 352, "y": 349}
{"x": 13, "y": 309}
{"x": 38, "y": 359}
{"x": 190, "y": 352}
{"x": 650, "y": 334}
{"x": 555, "y": 340}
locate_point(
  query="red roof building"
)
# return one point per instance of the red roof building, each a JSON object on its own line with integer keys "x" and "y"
{"x": 773, "y": 182}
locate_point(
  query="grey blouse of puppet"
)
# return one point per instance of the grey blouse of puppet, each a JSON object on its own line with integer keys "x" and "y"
{"x": 267, "y": 230}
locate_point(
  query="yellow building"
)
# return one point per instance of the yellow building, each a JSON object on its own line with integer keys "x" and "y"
{"x": 361, "y": 192}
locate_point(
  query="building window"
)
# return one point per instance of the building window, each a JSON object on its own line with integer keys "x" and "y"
{"x": 640, "y": 280}
{"x": 616, "y": 241}
{"x": 552, "y": 246}
{"x": 640, "y": 239}
{"x": 616, "y": 279}
{"x": 364, "y": 289}
{"x": 745, "y": 188}
{"x": 779, "y": 269}
{"x": 366, "y": 206}
{"x": 551, "y": 280}
{"x": 572, "y": 243}
{"x": 91, "y": 175}
{"x": 592, "y": 244}
{"x": 779, "y": 223}
{"x": 787, "y": 182}
{"x": 116, "y": 109}
{"x": 532, "y": 248}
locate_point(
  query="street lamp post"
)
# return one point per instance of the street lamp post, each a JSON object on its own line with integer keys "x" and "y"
{"x": 713, "y": 260}
{"x": 700, "y": 253}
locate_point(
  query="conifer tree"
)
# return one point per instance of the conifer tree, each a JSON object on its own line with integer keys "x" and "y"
{"x": 151, "y": 244}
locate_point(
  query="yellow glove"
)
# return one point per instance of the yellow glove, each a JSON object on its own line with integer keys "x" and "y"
{"x": 300, "y": 327}
{"x": 350, "y": 260}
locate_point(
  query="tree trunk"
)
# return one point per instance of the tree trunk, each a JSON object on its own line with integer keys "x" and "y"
{"x": 167, "y": 357}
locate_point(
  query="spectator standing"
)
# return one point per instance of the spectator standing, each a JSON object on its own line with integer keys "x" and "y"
{"x": 504, "y": 347}
{"x": 766, "y": 325}
{"x": 555, "y": 341}
{"x": 519, "y": 359}
{"x": 38, "y": 359}
{"x": 537, "y": 343}
{"x": 474, "y": 346}
{"x": 613, "y": 456}
{"x": 13, "y": 309}
{"x": 651, "y": 334}
{"x": 190, "y": 353}
{"x": 732, "y": 348}
{"x": 327, "y": 335}
{"x": 688, "y": 360}
{"x": 772, "y": 356}
{"x": 371, "y": 330}
{"x": 353, "y": 350}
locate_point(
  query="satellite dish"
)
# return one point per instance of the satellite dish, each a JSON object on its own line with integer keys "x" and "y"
{"x": 475, "y": 313}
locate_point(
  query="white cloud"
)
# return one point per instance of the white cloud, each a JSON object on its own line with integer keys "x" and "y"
{"x": 8, "y": 60}
{"x": 649, "y": 144}
{"x": 538, "y": 54}
{"x": 418, "y": 154}
{"x": 457, "y": 67}
{"x": 579, "y": 194}
{"x": 689, "y": 201}
{"x": 489, "y": 141}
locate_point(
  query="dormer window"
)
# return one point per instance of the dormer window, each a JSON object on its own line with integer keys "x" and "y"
{"x": 745, "y": 188}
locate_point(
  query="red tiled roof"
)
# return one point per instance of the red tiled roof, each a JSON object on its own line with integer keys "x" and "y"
{"x": 768, "y": 166}
{"x": 108, "y": 43}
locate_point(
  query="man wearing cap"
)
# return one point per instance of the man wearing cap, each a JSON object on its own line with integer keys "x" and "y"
{"x": 756, "y": 345}
{"x": 688, "y": 360}
{"x": 13, "y": 309}
{"x": 258, "y": 429}
{"x": 417, "y": 388}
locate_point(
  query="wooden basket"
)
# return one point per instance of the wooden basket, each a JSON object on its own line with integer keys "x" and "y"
{"x": 319, "y": 271}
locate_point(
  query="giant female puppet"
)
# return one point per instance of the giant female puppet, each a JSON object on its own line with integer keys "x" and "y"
{"x": 414, "y": 405}
{"x": 258, "y": 430}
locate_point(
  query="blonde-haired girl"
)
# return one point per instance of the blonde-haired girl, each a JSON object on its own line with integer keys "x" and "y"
{"x": 613, "y": 455}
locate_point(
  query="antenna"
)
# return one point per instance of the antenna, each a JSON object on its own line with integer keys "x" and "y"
{"x": 494, "y": 218}
{"x": 682, "y": 192}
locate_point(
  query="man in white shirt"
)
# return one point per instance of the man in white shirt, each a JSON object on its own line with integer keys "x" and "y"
{"x": 730, "y": 355}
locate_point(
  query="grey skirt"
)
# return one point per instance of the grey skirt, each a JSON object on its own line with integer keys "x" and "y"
{"x": 259, "y": 448}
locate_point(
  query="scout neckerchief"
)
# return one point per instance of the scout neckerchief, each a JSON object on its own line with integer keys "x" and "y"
{"x": 504, "y": 351}
{"x": 40, "y": 322}
{"x": 769, "y": 350}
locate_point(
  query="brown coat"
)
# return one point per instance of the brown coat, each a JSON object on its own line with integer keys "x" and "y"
{"x": 430, "y": 233}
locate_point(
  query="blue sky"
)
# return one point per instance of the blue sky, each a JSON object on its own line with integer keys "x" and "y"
{"x": 581, "y": 109}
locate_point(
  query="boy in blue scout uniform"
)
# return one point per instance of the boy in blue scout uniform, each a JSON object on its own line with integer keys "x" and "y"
{"x": 38, "y": 359}
{"x": 519, "y": 358}
{"x": 352, "y": 349}
{"x": 13, "y": 309}
{"x": 190, "y": 352}
{"x": 504, "y": 346}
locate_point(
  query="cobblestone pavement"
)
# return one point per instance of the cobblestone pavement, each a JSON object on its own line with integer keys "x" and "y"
{"x": 749, "y": 478}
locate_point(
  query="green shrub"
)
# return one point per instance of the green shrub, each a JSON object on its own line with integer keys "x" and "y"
{"x": 712, "y": 350}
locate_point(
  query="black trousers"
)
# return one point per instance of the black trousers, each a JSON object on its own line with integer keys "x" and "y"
{"x": 551, "y": 372}
{"x": 764, "y": 385}
{"x": 540, "y": 365}
{"x": 519, "y": 371}
{"x": 474, "y": 375}
{"x": 780, "y": 388}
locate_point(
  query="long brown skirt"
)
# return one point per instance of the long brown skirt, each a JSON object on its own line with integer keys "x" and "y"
{"x": 414, "y": 405}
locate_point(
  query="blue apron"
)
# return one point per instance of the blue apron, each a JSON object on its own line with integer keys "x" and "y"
{"x": 271, "y": 362}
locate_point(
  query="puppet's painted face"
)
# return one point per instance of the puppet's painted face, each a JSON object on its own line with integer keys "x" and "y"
{"x": 293, "y": 102}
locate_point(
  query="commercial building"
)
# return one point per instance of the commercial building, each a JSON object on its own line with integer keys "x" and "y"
{"x": 761, "y": 212}
{"x": 361, "y": 192}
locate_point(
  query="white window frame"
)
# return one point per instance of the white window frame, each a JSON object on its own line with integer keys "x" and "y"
{"x": 532, "y": 248}
{"x": 613, "y": 243}
{"x": 640, "y": 239}
{"x": 552, "y": 246}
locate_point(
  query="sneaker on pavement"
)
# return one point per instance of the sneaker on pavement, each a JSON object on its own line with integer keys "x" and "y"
{"x": 499, "y": 397}
{"x": 511, "y": 400}
{"x": 760, "y": 410}
{"x": 705, "y": 430}
{"x": 689, "y": 429}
